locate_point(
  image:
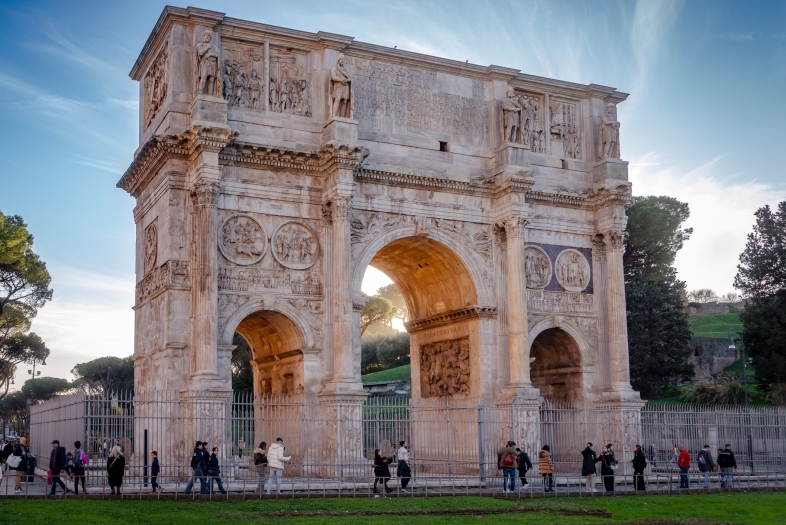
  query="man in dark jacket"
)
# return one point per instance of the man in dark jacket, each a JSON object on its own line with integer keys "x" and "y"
{"x": 20, "y": 450}
{"x": 588, "y": 460}
{"x": 214, "y": 471}
{"x": 727, "y": 465}
{"x": 57, "y": 462}
{"x": 196, "y": 466}
{"x": 524, "y": 464}
{"x": 155, "y": 470}
{"x": 706, "y": 465}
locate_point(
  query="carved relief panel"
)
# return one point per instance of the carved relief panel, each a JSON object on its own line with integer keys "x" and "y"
{"x": 242, "y": 240}
{"x": 444, "y": 368}
{"x": 243, "y": 70}
{"x": 572, "y": 270}
{"x": 290, "y": 86}
{"x": 295, "y": 245}
{"x": 156, "y": 85}
{"x": 522, "y": 120}
{"x": 151, "y": 247}
{"x": 564, "y": 124}
{"x": 537, "y": 266}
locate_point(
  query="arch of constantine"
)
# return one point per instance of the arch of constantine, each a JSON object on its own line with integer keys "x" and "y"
{"x": 275, "y": 165}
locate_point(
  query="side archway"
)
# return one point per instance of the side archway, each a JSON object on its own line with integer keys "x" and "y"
{"x": 558, "y": 353}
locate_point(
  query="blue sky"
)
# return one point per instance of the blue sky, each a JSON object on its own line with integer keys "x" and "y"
{"x": 704, "y": 122}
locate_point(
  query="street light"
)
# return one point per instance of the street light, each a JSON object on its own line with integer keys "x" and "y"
{"x": 747, "y": 406}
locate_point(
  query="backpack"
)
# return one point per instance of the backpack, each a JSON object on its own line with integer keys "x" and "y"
{"x": 78, "y": 461}
{"x": 85, "y": 459}
{"x": 507, "y": 460}
{"x": 702, "y": 459}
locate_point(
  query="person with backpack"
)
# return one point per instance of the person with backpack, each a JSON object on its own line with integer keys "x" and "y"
{"x": 20, "y": 465}
{"x": 116, "y": 468}
{"x": 727, "y": 464}
{"x": 155, "y": 470}
{"x": 276, "y": 459}
{"x": 588, "y": 470}
{"x": 260, "y": 462}
{"x": 79, "y": 462}
{"x": 606, "y": 472}
{"x": 546, "y": 468}
{"x": 524, "y": 464}
{"x": 196, "y": 467}
{"x": 214, "y": 471}
{"x": 706, "y": 465}
{"x": 639, "y": 464}
{"x": 506, "y": 462}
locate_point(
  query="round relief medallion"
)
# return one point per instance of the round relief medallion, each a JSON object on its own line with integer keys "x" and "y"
{"x": 242, "y": 240}
{"x": 151, "y": 247}
{"x": 572, "y": 270}
{"x": 537, "y": 266}
{"x": 294, "y": 245}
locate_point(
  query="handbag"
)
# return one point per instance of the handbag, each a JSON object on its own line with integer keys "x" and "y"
{"x": 13, "y": 461}
{"x": 48, "y": 477}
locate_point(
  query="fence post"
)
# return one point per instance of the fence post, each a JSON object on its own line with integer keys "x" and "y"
{"x": 481, "y": 439}
{"x": 144, "y": 460}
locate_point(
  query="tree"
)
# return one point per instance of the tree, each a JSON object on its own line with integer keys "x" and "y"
{"x": 376, "y": 310}
{"x": 384, "y": 352}
{"x": 16, "y": 349}
{"x": 43, "y": 388}
{"x": 761, "y": 277}
{"x": 105, "y": 375}
{"x": 730, "y": 297}
{"x": 392, "y": 293}
{"x": 654, "y": 235}
{"x": 242, "y": 375}
{"x": 658, "y": 330}
{"x": 703, "y": 295}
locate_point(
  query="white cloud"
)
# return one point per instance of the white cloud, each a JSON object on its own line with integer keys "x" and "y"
{"x": 721, "y": 216}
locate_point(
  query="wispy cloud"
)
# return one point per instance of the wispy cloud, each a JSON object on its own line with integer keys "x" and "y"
{"x": 738, "y": 37}
{"x": 101, "y": 164}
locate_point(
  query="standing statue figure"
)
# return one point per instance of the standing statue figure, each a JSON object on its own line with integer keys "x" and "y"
{"x": 273, "y": 98}
{"x": 609, "y": 143}
{"x": 511, "y": 117}
{"x": 340, "y": 90}
{"x": 254, "y": 86}
{"x": 209, "y": 82}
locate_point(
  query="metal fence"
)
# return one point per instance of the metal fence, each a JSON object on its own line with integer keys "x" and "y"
{"x": 450, "y": 441}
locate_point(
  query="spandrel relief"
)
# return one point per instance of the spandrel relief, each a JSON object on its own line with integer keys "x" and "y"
{"x": 243, "y": 72}
{"x": 295, "y": 245}
{"x": 564, "y": 129}
{"x": 444, "y": 368}
{"x": 572, "y": 270}
{"x": 242, "y": 240}
{"x": 290, "y": 88}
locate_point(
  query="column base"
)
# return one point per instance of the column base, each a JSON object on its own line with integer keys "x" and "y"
{"x": 621, "y": 394}
{"x": 520, "y": 392}
{"x": 343, "y": 387}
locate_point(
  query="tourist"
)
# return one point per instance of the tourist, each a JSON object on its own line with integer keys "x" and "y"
{"x": 613, "y": 456}
{"x": 196, "y": 467}
{"x": 403, "y": 471}
{"x": 241, "y": 445}
{"x": 675, "y": 454}
{"x": 606, "y": 472}
{"x": 706, "y": 465}
{"x": 382, "y": 471}
{"x": 57, "y": 462}
{"x": 276, "y": 459}
{"x": 104, "y": 449}
{"x": 506, "y": 462}
{"x": 115, "y": 467}
{"x": 524, "y": 464}
{"x": 79, "y": 462}
{"x": 639, "y": 464}
{"x": 727, "y": 465}
{"x": 214, "y": 471}
{"x": 155, "y": 470}
{"x": 21, "y": 451}
{"x": 260, "y": 462}
{"x": 8, "y": 449}
{"x": 588, "y": 470}
{"x": 546, "y": 468}
{"x": 683, "y": 462}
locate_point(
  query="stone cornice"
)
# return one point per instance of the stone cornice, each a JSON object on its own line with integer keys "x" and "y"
{"x": 331, "y": 154}
{"x": 452, "y": 317}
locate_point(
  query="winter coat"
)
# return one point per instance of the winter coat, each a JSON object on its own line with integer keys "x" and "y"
{"x": 205, "y": 460}
{"x": 708, "y": 465}
{"x": 57, "y": 459}
{"x": 116, "y": 467}
{"x": 545, "y": 466}
{"x": 155, "y": 468}
{"x": 502, "y": 453}
{"x": 588, "y": 462}
{"x": 276, "y": 457}
{"x": 684, "y": 459}
{"x": 524, "y": 462}
{"x": 21, "y": 450}
{"x": 726, "y": 459}
{"x": 260, "y": 458}
{"x": 196, "y": 458}
{"x": 639, "y": 462}
{"x": 381, "y": 467}
{"x": 606, "y": 461}
{"x": 213, "y": 464}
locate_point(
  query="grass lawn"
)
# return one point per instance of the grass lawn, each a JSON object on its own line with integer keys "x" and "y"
{"x": 392, "y": 374}
{"x": 737, "y": 508}
{"x": 716, "y": 326}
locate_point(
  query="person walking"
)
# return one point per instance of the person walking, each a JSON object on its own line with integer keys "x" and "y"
{"x": 403, "y": 471}
{"x": 588, "y": 470}
{"x": 546, "y": 468}
{"x": 214, "y": 471}
{"x": 276, "y": 459}
{"x": 706, "y": 465}
{"x": 79, "y": 462}
{"x": 21, "y": 451}
{"x": 506, "y": 462}
{"x": 196, "y": 467}
{"x": 683, "y": 462}
{"x": 260, "y": 462}
{"x": 675, "y": 454}
{"x": 524, "y": 464}
{"x": 639, "y": 464}
{"x": 155, "y": 470}
{"x": 606, "y": 472}
{"x": 57, "y": 463}
{"x": 104, "y": 449}
{"x": 115, "y": 467}
{"x": 241, "y": 446}
{"x": 727, "y": 464}
{"x": 382, "y": 471}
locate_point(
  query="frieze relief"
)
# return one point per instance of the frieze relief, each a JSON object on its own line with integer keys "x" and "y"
{"x": 170, "y": 274}
{"x": 156, "y": 85}
{"x": 290, "y": 88}
{"x": 562, "y": 302}
{"x": 260, "y": 280}
{"x": 444, "y": 368}
{"x": 522, "y": 120}
{"x": 564, "y": 128}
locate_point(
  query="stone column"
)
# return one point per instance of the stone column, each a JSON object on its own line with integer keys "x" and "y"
{"x": 617, "y": 320}
{"x": 518, "y": 326}
{"x": 204, "y": 285}
{"x": 599, "y": 284}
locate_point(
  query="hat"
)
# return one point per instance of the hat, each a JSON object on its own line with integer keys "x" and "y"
{"x": 55, "y": 442}
{"x": 706, "y": 446}
{"x": 589, "y": 444}
{"x": 511, "y": 443}
{"x": 609, "y": 445}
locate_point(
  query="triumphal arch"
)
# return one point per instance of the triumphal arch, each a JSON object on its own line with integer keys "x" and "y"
{"x": 275, "y": 165}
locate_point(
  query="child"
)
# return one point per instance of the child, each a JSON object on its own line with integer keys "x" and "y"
{"x": 155, "y": 470}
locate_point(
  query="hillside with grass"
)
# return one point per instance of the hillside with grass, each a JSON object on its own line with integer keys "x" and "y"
{"x": 400, "y": 373}
{"x": 715, "y": 326}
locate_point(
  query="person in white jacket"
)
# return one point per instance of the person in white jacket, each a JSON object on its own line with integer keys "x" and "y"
{"x": 275, "y": 460}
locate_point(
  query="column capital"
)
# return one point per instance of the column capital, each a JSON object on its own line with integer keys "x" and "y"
{"x": 614, "y": 239}
{"x": 205, "y": 193}
{"x": 340, "y": 207}
{"x": 515, "y": 226}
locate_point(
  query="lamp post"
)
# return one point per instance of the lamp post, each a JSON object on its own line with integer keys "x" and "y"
{"x": 747, "y": 405}
{"x": 33, "y": 371}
